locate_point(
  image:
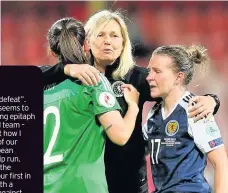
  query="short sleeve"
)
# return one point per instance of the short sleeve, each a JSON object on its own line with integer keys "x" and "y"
{"x": 206, "y": 135}
{"x": 103, "y": 99}
{"x": 144, "y": 132}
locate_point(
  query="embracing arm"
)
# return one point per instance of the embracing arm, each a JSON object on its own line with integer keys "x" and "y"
{"x": 86, "y": 73}
{"x": 204, "y": 106}
{"x": 53, "y": 74}
{"x": 216, "y": 100}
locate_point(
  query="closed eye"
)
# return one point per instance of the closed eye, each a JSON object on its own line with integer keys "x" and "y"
{"x": 100, "y": 35}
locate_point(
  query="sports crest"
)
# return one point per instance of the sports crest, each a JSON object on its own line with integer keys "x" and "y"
{"x": 106, "y": 99}
{"x": 212, "y": 129}
{"x": 116, "y": 88}
{"x": 172, "y": 128}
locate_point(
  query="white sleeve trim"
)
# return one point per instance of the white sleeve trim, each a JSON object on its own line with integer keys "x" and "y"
{"x": 145, "y": 136}
{"x": 144, "y": 127}
{"x": 206, "y": 135}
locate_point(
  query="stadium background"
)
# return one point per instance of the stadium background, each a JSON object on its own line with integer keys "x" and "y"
{"x": 24, "y": 26}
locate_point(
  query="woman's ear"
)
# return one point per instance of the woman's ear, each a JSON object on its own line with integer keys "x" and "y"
{"x": 180, "y": 78}
{"x": 86, "y": 46}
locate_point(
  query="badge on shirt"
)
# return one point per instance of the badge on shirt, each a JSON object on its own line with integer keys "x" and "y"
{"x": 212, "y": 129}
{"x": 116, "y": 88}
{"x": 106, "y": 99}
{"x": 172, "y": 128}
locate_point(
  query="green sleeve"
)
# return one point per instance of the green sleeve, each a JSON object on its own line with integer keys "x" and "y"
{"x": 103, "y": 100}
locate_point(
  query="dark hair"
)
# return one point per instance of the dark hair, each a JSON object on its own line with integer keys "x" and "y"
{"x": 185, "y": 58}
{"x": 66, "y": 38}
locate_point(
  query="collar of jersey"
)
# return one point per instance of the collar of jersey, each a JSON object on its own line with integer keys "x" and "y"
{"x": 162, "y": 108}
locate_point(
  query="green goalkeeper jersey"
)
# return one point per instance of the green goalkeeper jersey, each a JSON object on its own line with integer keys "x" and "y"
{"x": 73, "y": 139}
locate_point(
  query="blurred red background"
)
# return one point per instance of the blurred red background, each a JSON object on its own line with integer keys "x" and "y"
{"x": 151, "y": 24}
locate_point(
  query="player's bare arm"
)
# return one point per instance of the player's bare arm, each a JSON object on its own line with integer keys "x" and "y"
{"x": 120, "y": 129}
{"x": 219, "y": 160}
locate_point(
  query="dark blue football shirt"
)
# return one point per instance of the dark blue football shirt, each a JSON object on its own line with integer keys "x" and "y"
{"x": 178, "y": 148}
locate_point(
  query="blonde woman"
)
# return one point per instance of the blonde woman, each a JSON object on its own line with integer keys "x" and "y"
{"x": 74, "y": 131}
{"x": 109, "y": 49}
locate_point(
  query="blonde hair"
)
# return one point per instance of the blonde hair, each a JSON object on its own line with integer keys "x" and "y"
{"x": 186, "y": 58}
{"x": 97, "y": 21}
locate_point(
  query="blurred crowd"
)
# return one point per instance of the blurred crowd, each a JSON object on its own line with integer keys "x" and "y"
{"x": 151, "y": 24}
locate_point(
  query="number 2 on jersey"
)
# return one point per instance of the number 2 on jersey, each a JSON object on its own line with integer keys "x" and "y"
{"x": 48, "y": 159}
